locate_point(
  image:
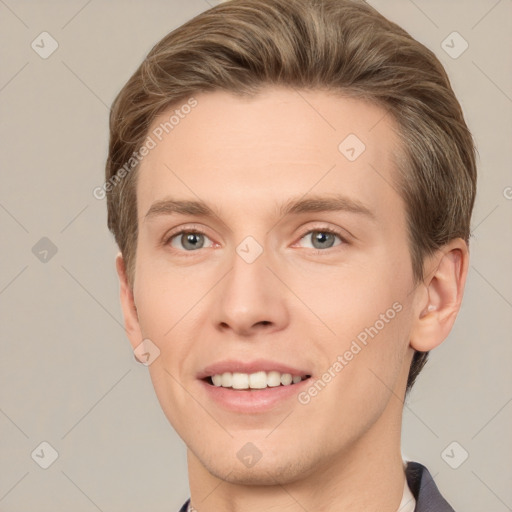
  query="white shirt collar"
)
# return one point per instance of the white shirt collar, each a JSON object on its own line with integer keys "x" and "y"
{"x": 408, "y": 503}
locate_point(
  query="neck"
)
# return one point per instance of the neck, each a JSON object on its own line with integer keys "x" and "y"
{"x": 369, "y": 476}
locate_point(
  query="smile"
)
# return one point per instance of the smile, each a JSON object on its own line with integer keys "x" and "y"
{"x": 257, "y": 380}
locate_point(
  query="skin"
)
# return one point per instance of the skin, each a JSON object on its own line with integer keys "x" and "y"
{"x": 295, "y": 303}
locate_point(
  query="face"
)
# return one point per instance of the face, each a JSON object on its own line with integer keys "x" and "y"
{"x": 296, "y": 261}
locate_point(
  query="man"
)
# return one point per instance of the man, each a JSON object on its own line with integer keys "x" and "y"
{"x": 290, "y": 183}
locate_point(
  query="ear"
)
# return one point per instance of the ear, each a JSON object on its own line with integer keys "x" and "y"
{"x": 437, "y": 309}
{"x": 131, "y": 320}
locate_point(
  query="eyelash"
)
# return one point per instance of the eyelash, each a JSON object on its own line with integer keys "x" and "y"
{"x": 320, "y": 229}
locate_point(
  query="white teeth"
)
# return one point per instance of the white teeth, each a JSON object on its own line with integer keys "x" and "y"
{"x": 273, "y": 379}
{"x": 286, "y": 379}
{"x": 227, "y": 380}
{"x": 240, "y": 381}
{"x": 257, "y": 380}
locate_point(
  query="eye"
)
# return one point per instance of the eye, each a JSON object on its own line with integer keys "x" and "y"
{"x": 188, "y": 240}
{"x": 323, "y": 238}
{"x": 193, "y": 239}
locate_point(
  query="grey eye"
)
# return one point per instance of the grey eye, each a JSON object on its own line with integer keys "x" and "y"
{"x": 189, "y": 240}
{"x": 322, "y": 239}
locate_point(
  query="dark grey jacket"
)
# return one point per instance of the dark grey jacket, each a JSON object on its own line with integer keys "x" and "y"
{"x": 422, "y": 485}
{"x": 423, "y": 488}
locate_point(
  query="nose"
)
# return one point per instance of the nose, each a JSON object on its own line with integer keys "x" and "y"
{"x": 251, "y": 299}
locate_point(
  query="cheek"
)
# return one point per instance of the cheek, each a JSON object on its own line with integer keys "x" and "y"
{"x": 348, "y": 300}
{"x": 364, "y": 332}
{"x": 166, "y": 295}
{"x": 173, "y": 401}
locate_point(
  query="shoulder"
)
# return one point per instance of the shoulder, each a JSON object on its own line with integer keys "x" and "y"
{"x": 422, "y": 485}
{"x": 424, "y": 489}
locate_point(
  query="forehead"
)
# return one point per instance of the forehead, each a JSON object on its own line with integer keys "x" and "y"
{"x": 280, "y": 143}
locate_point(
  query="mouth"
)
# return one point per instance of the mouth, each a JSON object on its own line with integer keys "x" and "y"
{"x": 253, "y": 387}
{"x": 254, "y": 381}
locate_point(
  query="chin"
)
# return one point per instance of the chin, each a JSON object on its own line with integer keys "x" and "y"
{"x": 271, "y": 469}
{"x": 264, "y": 474}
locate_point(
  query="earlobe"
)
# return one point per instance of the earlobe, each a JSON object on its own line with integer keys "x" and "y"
{"x": 445, "y": 288}
{"x": 131, "y": 320}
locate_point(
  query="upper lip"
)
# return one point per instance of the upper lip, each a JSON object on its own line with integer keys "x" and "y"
{"x": 257, "y": 365}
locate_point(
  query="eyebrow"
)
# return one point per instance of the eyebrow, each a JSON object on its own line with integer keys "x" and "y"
{"x": 294, "y": 206}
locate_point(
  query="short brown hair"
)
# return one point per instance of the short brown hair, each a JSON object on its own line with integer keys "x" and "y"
{"x": 336, "y": 45}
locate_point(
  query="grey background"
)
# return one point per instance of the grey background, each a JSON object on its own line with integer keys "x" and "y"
{"x": 68, "y": 375}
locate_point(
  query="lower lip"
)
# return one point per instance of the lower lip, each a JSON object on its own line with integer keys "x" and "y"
{"x": 254, "y": 400}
